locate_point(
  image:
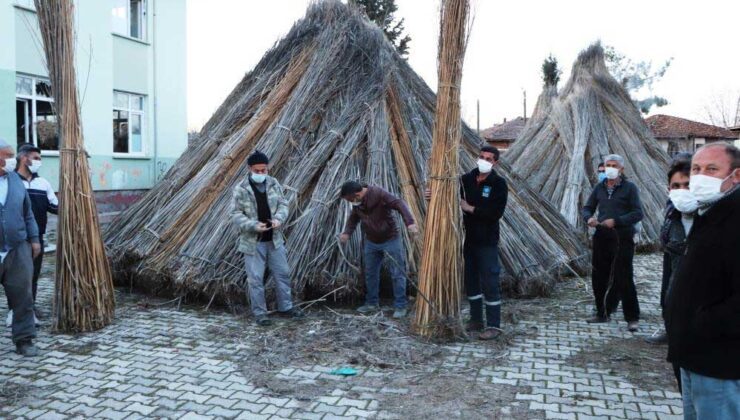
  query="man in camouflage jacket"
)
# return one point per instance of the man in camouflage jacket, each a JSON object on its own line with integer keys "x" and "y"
{"x": 259, "y": 210}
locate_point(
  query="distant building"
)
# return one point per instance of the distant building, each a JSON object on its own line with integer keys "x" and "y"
{"x": 503, "y": 135}
{"x": 130, "y": 62}
{"x": 677, "y": 135}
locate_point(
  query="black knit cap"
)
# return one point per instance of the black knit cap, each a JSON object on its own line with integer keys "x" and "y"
{"x": 256, "y": 158}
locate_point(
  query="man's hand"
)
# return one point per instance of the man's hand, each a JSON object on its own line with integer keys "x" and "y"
{"x": 593, "y": 222}
{"x": 609, "y": 223}
{"x": 413, "y": 229}
{"x": 343, "y": 238}
{"x": 276, "y": 223}
{"x": 427, "y": 193}
{"x": 35, "y": 249}
{"x": 467, "y": 208}
{"x": 262, "y": 227}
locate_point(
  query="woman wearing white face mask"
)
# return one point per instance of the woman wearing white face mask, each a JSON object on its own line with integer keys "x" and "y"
{"x": 43, "y": 201}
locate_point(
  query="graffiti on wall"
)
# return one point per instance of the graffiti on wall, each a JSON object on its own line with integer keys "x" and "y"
{"x": 162, "y": 168}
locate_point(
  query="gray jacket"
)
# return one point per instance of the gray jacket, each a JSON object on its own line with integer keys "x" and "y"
{"x": 17, "y": 224}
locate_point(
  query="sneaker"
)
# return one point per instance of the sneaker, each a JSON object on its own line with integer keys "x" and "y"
{"x": 366, "y": 309}
{"x": 294, "y": 313}
{"x": 658, "y": 339}
{"x": 490, "y": 333}
{"x": 263, "y": 321}
{"x": 598, "y": 320}
{"x": 474, "y": 326}
{"x": 633, "y": 326}
{"x": 9, "y": 319}
{"x": 399, "y": 313}
{"x": 26, "y": 348}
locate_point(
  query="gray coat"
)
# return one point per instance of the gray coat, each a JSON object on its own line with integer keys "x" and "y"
{"x": 17, "y": 224}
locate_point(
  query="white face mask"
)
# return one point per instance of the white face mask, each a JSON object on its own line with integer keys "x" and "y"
{"x": 706, "y": 189}
{"x": 10, "y": 165}
{"x": 35, "y": 166}
{"x": 683, "y": 200}
{"x": 259, "y": 178}
{"x": 611, "y": 173}
{"x": 356, "y": 203}
{"x": 484, "y": 166}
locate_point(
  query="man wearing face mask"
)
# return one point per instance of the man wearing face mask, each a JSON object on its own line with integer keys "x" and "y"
{"x": 19, "y": 244}
{"x": 679, "y": 216}
{"x": 43, "y": 201}
{"x": 601, "y": 173}
{"x": 619, "y": 209}
{"x": 259, "y": 209}
{"x": 373, "y": 207}
{"x": 484, "y": 195}
{"x": 703, "y": 303}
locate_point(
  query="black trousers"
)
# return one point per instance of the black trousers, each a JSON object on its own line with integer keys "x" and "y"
{"x": 612, "y": 277}
{"x": 37, "y": 269}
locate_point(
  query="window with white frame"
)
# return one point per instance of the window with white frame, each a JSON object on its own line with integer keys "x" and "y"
{"x": 36, "y": 121}
{"x": 128, "y": 17}
{"x": 128, "y": 123}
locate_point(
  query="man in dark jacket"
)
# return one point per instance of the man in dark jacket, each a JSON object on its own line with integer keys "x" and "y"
{"x": 676, "y": 224}
{"x": 703, "y": 304}
{"x": 619, "y": 209}
{"x": 484, "y": 195}
{"x": 373, "y": 207}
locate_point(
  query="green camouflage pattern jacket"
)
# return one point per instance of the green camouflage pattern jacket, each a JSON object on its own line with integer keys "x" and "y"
{"x": 244, "y": 213}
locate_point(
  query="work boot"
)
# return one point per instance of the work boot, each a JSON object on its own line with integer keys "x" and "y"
{"x": 294, "y": 313}
{"x": 490, "y": 333}
{"x": 473, "y": 326}
{"x": 367, "y": 309}
{"x": 598, "y": 319}
{"x": 399, "y": 313}
{"x": 263, "y": 321}
{"x": 26, "y": 348}
{"x": 633, "y": 326}
{"x": 658, "y": 339}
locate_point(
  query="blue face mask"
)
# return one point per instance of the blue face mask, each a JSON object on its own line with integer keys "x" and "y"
{"x": 258, "y": 178}
{"x": 602, "y": 177}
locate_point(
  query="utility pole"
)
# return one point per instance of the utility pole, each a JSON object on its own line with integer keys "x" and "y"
{"x": 477, "y": 118}
{"x": 524, "y": 92}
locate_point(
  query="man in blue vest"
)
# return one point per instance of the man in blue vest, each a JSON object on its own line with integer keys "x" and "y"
{"x": 43, "y": 201}
{"x": 19, "y": 244}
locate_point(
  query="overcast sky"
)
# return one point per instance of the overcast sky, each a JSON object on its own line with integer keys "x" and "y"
{"x": 509, "y": 40}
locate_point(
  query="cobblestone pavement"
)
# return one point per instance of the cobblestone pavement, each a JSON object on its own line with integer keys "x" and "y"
{"x": 160, "y": 361}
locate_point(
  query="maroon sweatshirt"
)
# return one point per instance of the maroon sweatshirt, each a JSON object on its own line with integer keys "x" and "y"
{"x": 375, "y": 214}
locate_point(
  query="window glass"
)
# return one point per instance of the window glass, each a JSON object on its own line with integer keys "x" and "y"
{"x": 43, "y": 88}
{"x": 136, "y": 144}
{"x": 137, "y": 102}
{"x": 46, "y": 126}
{"x": 23, "y": 85}
{"x": 22, "y": 121}
{"x": 136, "y": 18}
{"x": 120, "y": 131}
{"x": 119, "y": 17}
{"x": 120, "y": 100}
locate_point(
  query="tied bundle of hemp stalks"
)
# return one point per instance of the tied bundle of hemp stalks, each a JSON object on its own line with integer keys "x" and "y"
{"x": 83, "y": 299}
{"x": 438, "y": 311}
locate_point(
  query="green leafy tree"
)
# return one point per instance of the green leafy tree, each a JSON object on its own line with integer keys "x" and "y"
{"x": 382, "y": 12}
{"x": 550, "y": 71}
{"x": 637, "y": 77}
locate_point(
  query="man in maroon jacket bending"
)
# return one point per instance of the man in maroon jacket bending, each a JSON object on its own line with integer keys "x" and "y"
{"x": 372, "y": 207}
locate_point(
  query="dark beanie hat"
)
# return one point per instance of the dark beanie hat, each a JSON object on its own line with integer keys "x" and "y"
{"x": 256, "y": 158}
